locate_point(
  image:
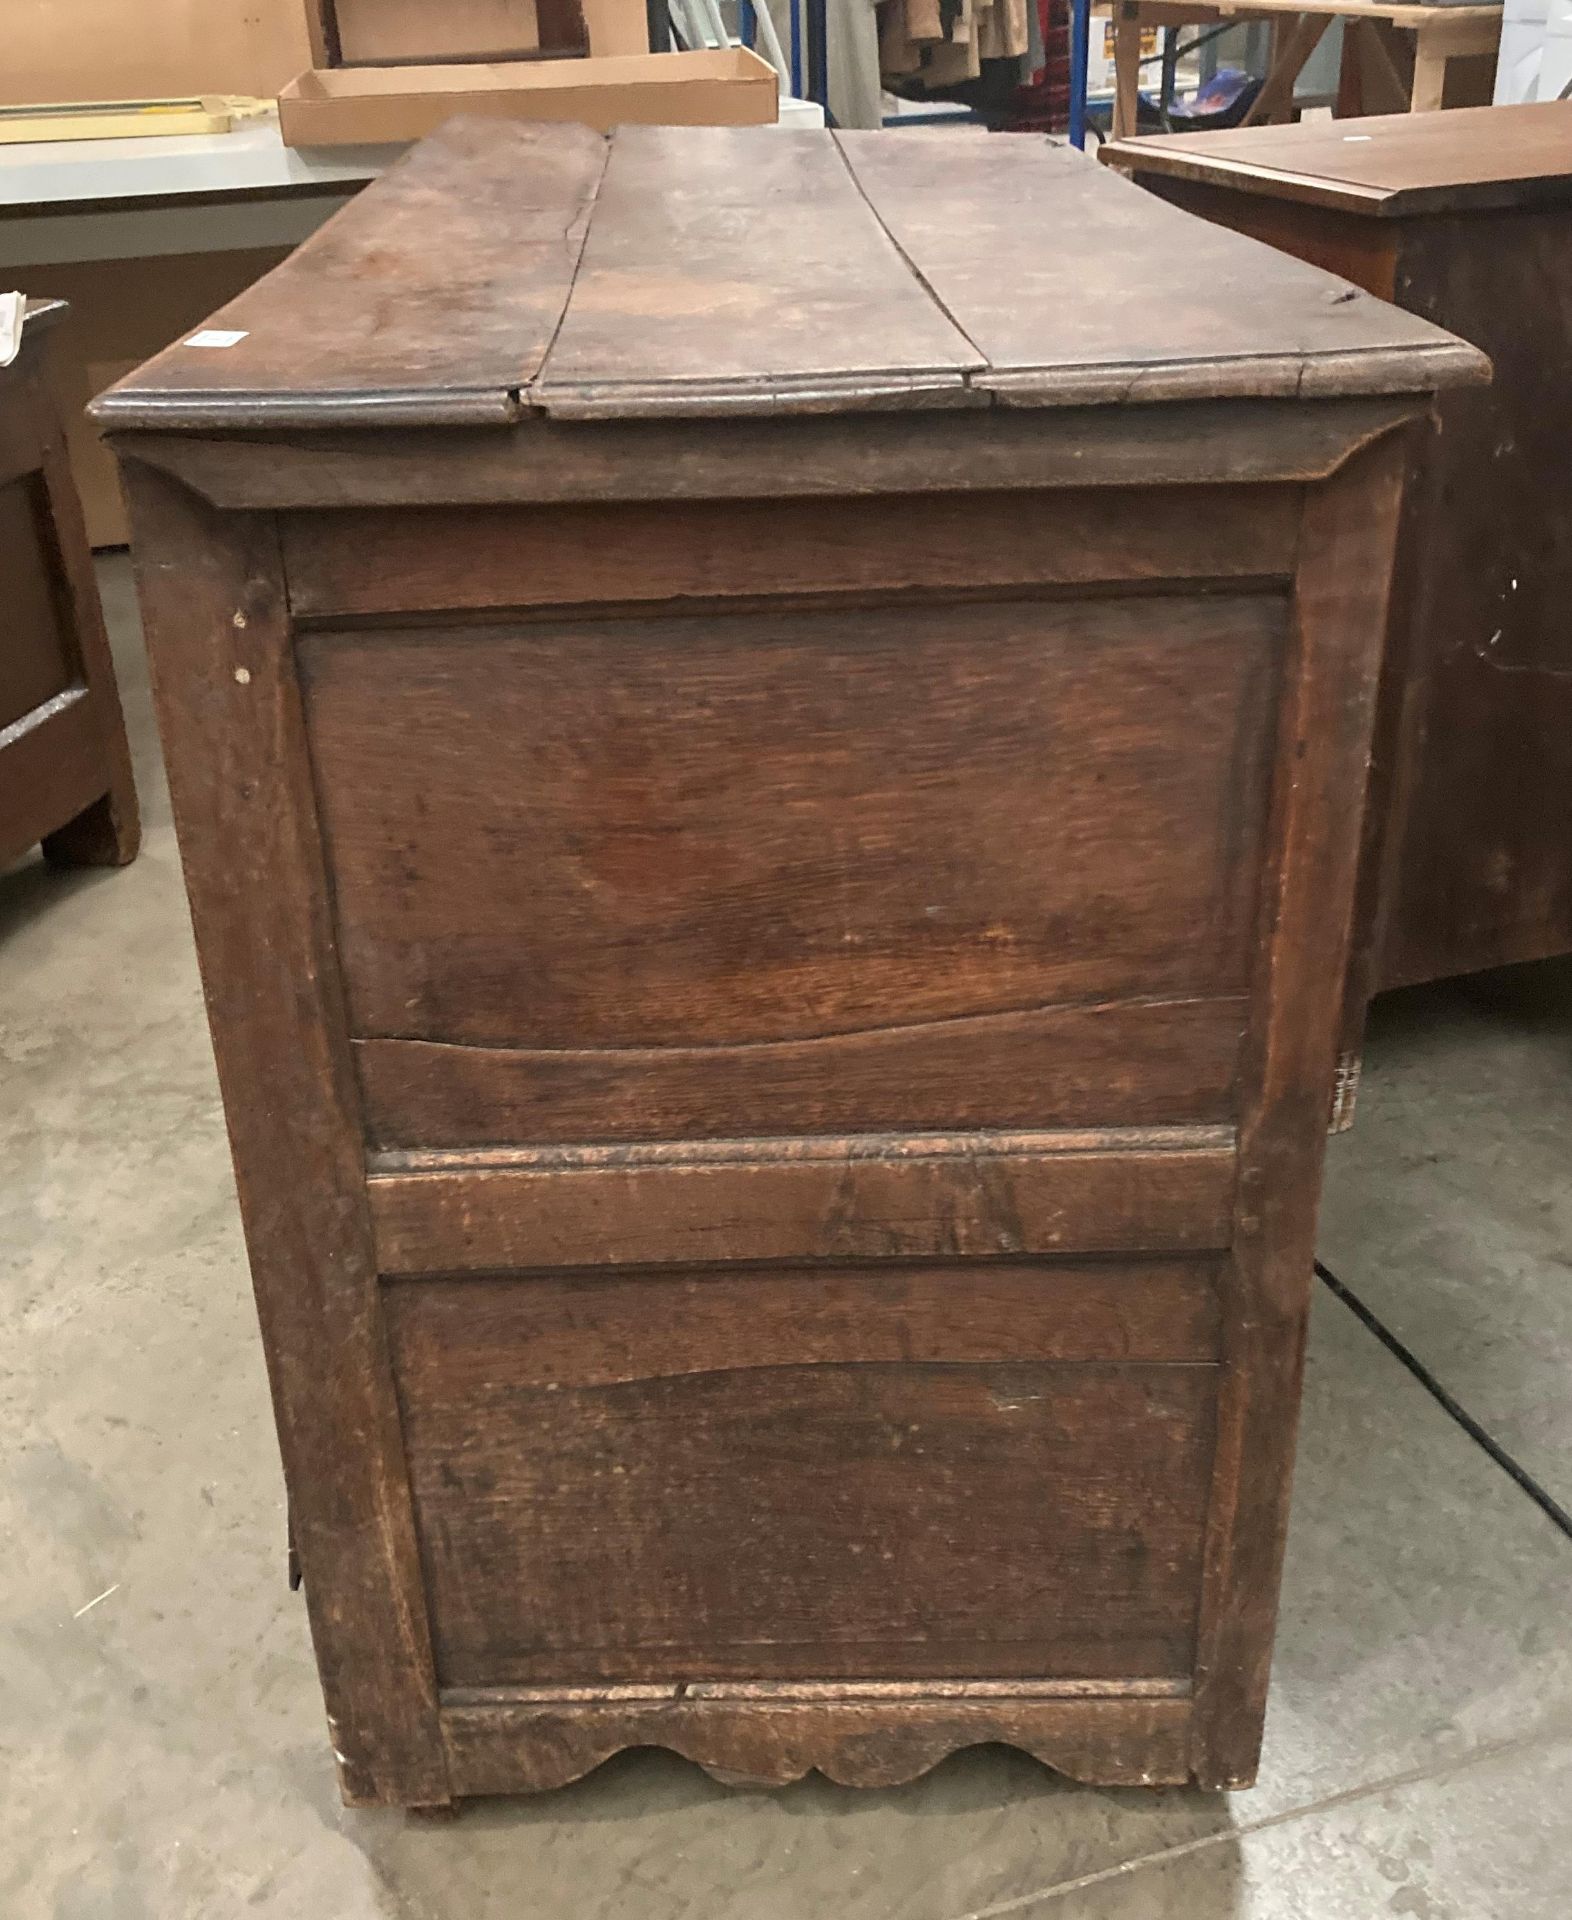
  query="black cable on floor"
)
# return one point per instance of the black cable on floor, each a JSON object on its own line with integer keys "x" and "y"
{"x": 1550, "y": 1507}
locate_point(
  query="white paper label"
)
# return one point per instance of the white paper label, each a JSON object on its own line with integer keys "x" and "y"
{"x": 215, "y": 337}
{"x": 13, "y": 311}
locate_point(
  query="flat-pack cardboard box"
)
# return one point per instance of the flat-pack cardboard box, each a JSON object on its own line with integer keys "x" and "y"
{"x": 379, "y": 33}
{"x": 391, "y": 70}
{"x": 149, "y": 49}
{"x": 390, "y": 32}
{"x": 355, "y": 106}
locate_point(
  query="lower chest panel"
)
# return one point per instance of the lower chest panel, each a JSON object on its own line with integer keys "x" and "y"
{"x": 881, "y": 1474}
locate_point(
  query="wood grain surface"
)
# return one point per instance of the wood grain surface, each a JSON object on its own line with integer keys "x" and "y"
{"x": 848, "y": 458}
{"x": 36, "y": 664}
{"x": 65, "y": 767}
{"x": 449, "y": 560}
{"x": 595, "y": 835}
{"x": 1482, "y": 872}
{"x": 1326, "y": 722}
{"x": 751, "y": 274}
{"x": 707, "y": 271}
{"x": 1350, "y": 244}
{"x": 526, "y": 1746}
{"x": 1385, "y": 166}
{"x": 1143, "y": 304}
{"x": 223, "y": 668}
{"x": 871, "y": 1197}
{"x": 1129, "y": 1063}
{"x": 780, "y": 1432}
{"x": 433, "y": 300}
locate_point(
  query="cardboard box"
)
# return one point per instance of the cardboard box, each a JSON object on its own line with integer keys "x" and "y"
{"x": 358, "y": 33}
{"x": 615, "y": 26}
{"x": 367, "y": 106}
{"x": 384, "y": 32}
{"x": 148, "y": 49}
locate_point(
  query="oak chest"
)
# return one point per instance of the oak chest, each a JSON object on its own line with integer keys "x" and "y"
{"x": 1466, "y": 219}
{"x": 768, "y": 736}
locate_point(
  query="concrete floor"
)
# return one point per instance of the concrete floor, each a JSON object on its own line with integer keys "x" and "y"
{"x": 164, "y": 1749}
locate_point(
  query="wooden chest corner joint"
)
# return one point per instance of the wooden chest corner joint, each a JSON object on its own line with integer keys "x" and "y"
{"x": 777, "y": 1053}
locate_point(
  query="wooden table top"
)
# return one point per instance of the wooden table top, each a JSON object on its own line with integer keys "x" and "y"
{"x": 674, "y": 272}
{"x": 1387, "y": 165}
{"x": 1399, "y": 13}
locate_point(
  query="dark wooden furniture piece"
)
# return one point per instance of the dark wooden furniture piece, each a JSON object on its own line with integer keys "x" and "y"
{"x": 65, "y": 769}
{"x": 771, "y": 815}
{"x": 1468, "y": 221}
{"x": 1405, "y": 58}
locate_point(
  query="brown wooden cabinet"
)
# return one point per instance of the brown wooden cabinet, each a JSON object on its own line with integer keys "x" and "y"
{"x": 771, "y": 813}
{"x": 1467, "y": 219}
{"x": 65, "y": 769}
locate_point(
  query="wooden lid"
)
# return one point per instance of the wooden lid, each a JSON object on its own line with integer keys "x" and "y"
{"x": 506, "y": 267}
{"x": 1389, "y": 164}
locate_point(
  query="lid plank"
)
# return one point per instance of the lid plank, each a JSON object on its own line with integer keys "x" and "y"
{"x": 1078, "y": 287}
{"x": 431, "y": 298}
{"x": 740, "y": 270}
{"x": 1384, "y": 165}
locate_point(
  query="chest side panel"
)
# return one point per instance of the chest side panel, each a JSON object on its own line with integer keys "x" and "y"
{"x": 1483, "y": 876}
{"x": 797, "y": 998}
{"x": 778, "y": 871}
{"x": 37, "y": 661}
{"x": 1358, "y": 246}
